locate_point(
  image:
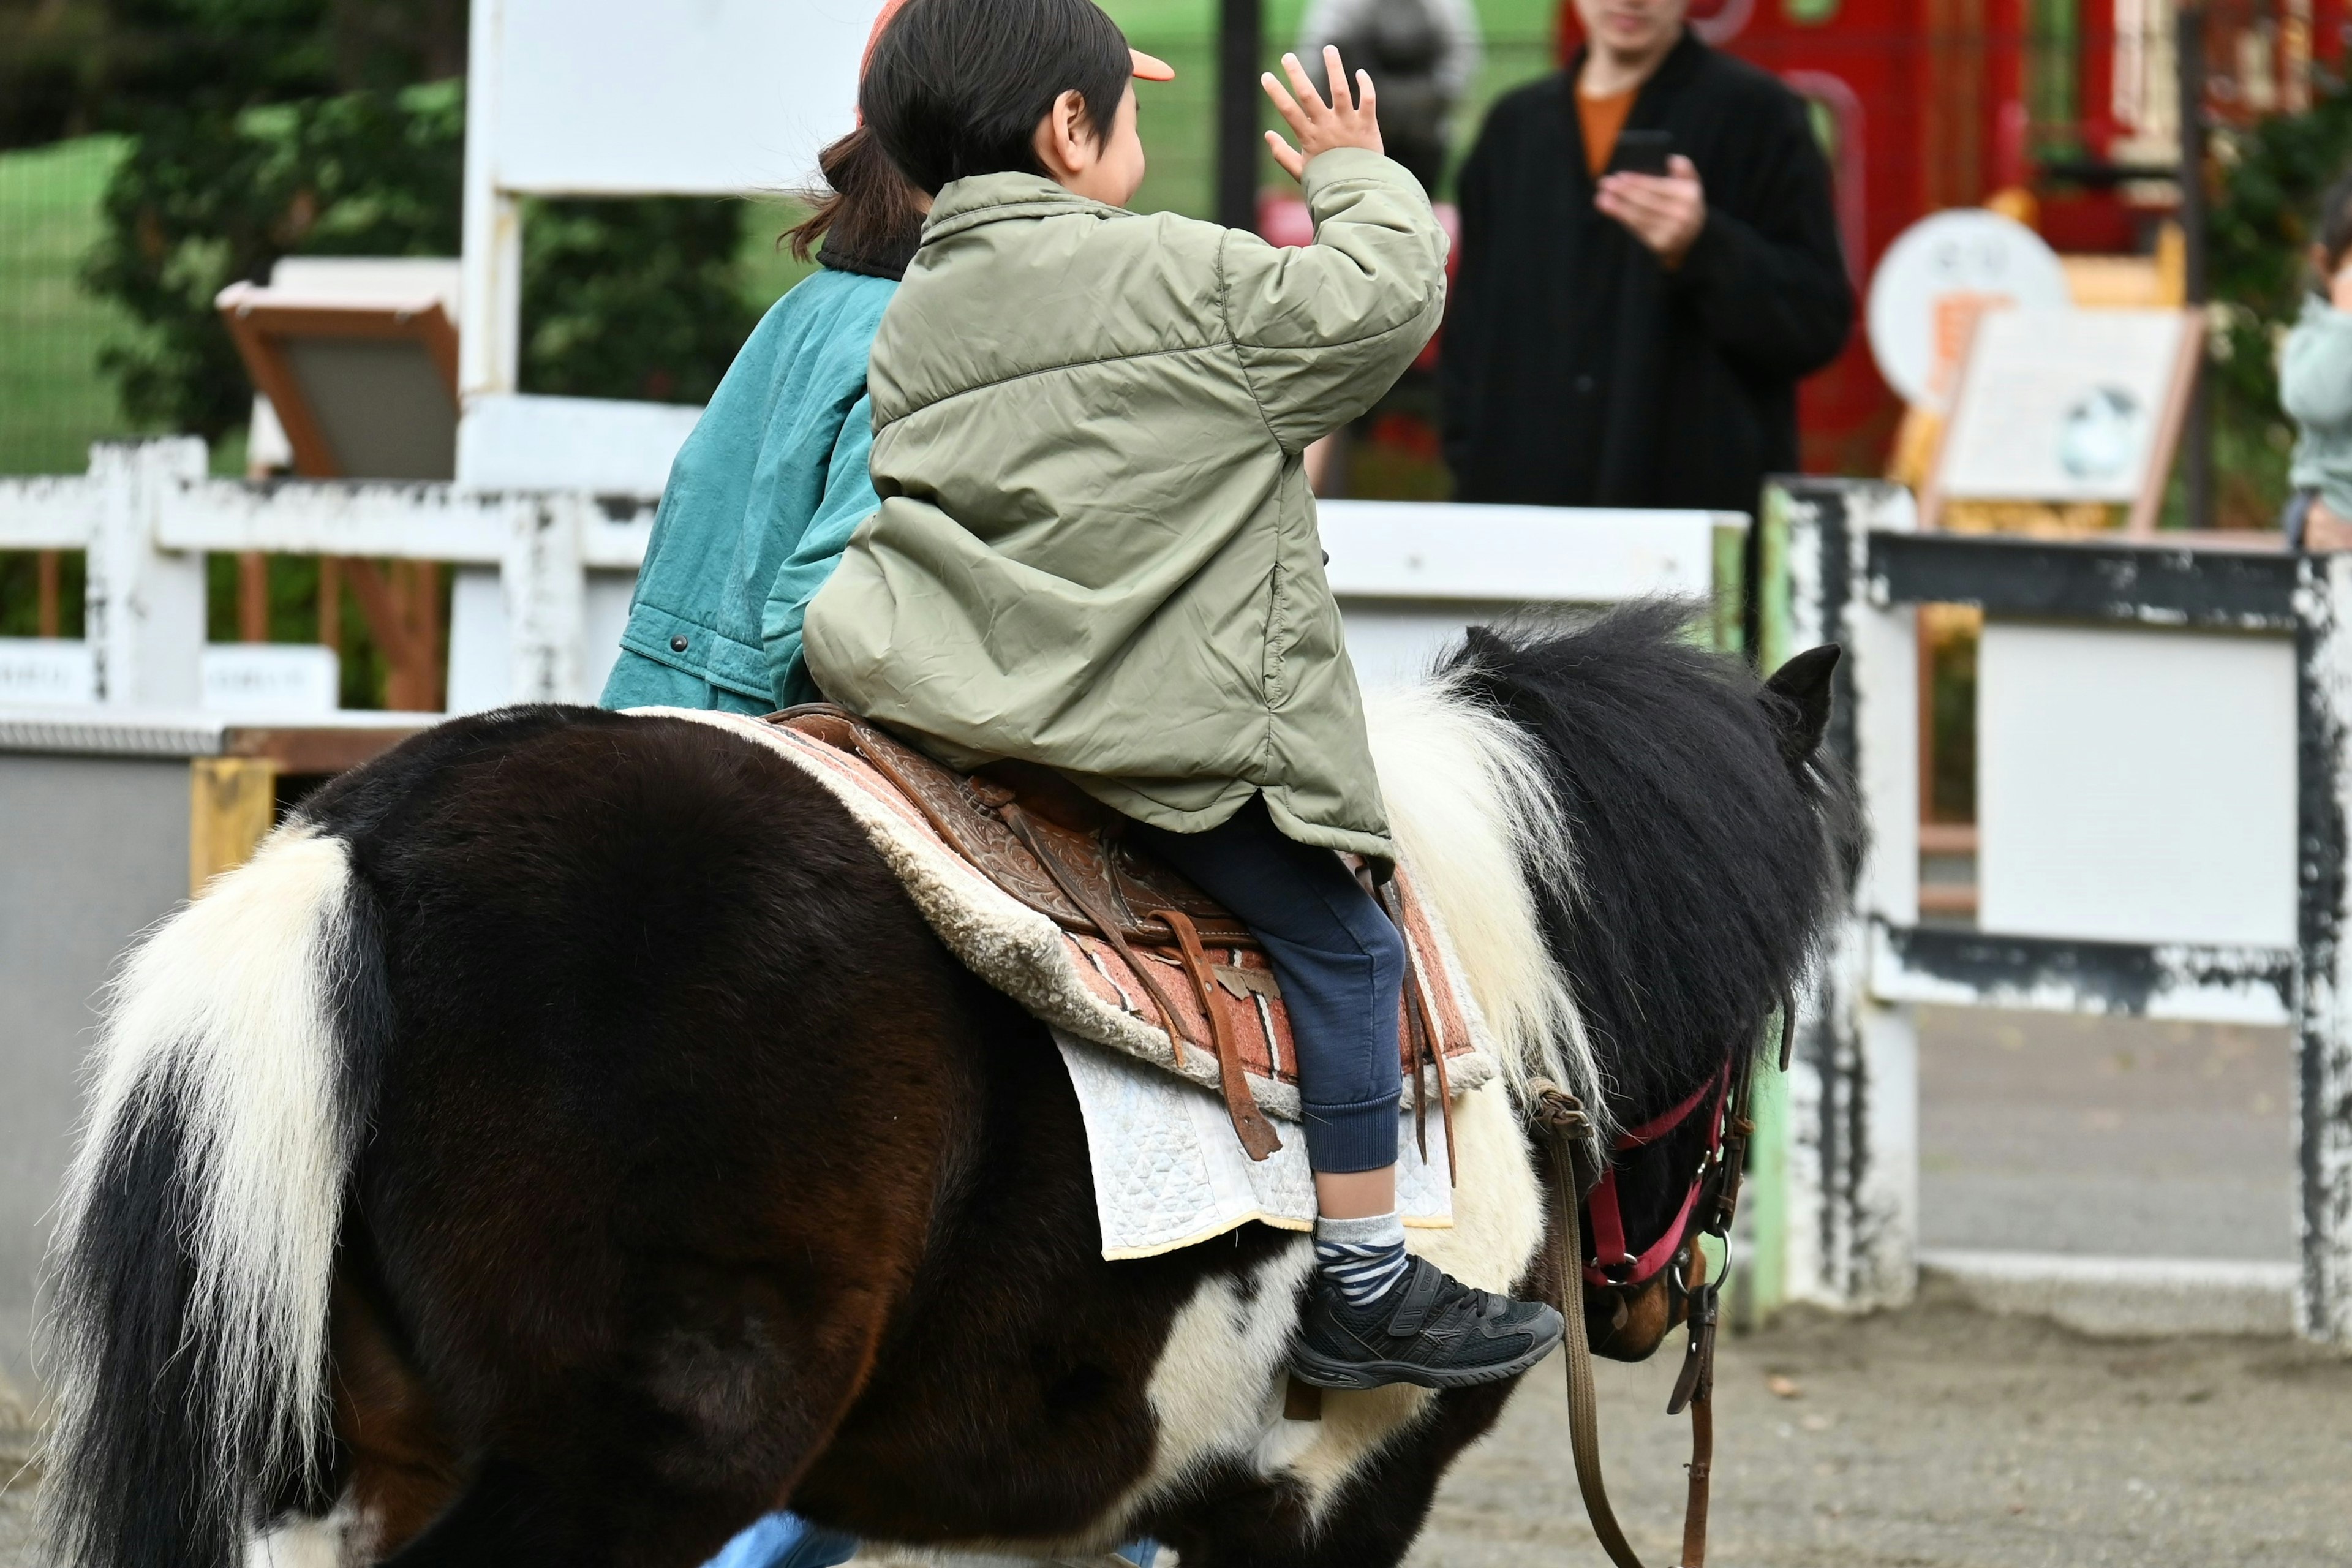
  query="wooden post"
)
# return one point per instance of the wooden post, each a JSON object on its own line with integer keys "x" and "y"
{"x": 45, "y": 572}
{"x": 2324, "y": 945}
{"x": 330, "y": 602}
{"x": 232, "y": 803}
{"x": 1765, "y": 1191}
{"x": 144, "y": 605}
{"x": 2197, "y": 431}
{"x": 1852, "y": 1118}
{"x": 252, "y": 597}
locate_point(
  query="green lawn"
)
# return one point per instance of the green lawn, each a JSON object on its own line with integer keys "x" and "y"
{"x": 53, "y": 404}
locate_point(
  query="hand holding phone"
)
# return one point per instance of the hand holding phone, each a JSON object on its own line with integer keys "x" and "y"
{"x": 1641, "y": 152}
{"x": 1665, "y": 211}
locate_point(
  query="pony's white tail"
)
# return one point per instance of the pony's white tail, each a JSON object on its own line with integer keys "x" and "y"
{"x": 196, "y": 1245}
{"x": 1475, "y": 818}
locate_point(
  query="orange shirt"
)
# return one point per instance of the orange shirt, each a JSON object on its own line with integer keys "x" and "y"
{"x": 1602, "y": 119}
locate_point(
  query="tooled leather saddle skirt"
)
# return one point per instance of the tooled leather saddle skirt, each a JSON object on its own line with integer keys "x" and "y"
{"x": 1166, "y": 951}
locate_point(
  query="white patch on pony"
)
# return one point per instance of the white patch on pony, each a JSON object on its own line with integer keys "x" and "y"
{"x": 1472, "y": 811}
{"x": 1217, "y": 1391}
{"x": 222, "y": 1019}
{"x": 328, "y": 1542}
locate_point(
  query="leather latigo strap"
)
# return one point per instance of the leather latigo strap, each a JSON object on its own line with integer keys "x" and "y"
{"x": 1257, "y": 1134}
{"x": 1427, "y": 1049}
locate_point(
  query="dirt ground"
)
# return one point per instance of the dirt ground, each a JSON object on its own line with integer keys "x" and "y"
{"x": 1936, "y": 1438}
{"x": 2046, "y": 1132}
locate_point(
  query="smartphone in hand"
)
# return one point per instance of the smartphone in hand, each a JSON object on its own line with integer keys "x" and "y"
{"x": 1641, "y": 152}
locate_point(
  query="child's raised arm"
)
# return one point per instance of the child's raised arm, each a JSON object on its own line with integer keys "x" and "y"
{"x": 1323, "y": 330}
{"x": 1320, "y": 126}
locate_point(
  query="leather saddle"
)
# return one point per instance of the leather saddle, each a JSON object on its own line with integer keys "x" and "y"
{"x": 1052, "y": 846}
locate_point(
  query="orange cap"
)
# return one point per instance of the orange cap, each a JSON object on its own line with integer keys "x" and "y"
{"x": 1147, "y": 68}
{"x": 881, "y": 20}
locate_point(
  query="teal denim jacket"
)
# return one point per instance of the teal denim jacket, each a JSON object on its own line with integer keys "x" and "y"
{"x": 760, "y": 501}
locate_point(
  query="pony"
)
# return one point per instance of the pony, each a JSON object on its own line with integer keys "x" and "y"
{"x": 564, "y": 1141}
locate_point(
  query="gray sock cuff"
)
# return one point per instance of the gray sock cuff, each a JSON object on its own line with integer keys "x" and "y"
{"x": 1375, "y": 1230}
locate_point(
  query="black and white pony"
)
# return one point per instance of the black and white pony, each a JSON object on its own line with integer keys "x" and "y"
{"x": 564, "y": 1141}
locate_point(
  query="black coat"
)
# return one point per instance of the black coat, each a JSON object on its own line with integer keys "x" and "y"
{"x": 1577, "y": 370}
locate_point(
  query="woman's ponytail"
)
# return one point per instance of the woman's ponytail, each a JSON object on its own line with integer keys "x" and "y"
{"x": 869, "y": 217}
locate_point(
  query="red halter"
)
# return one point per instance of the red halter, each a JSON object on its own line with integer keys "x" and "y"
{"x": 1609, "y": 1248}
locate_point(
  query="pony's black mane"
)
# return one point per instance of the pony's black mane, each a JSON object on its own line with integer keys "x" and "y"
{"x": 1708, "y": 865}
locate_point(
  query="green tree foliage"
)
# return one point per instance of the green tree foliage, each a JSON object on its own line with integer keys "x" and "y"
{"x": 207, "y": 196}
{"x": 2263, "y": 217}
{"x": 632, "y": 298}
{"x": 69, "y": 67}
{"x": 621, "y": 299}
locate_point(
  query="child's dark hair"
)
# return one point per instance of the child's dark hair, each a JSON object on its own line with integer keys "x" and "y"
{"x": 957, "y": 87}
{"x": 2334, "y": 235}
{"x": 867, "y": 215}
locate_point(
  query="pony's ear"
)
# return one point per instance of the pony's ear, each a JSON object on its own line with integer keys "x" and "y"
{"x": 1478, "y": 642}
{"x": 1803, "y": 711}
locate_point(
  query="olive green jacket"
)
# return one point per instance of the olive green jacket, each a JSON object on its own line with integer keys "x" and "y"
{"x": 1096, "y": 547}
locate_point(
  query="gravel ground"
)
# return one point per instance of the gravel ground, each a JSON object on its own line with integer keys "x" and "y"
{"x": 1936, "y": 1438}
{"x": 2043, "y": 1132}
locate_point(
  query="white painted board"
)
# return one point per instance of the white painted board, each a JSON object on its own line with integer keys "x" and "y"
{"x": 1410, "y": 575}
{"x": 2063, "y": 406}
{"x": 2136, "y": 785}
{"x": 1524, "y": 555}
{"x": 701, "y": 96}
{"x": 271, "y": 680}
{"x": 611, "y": 446}
{"x": 481, "y": 672}
{"x": 47, "y": 672}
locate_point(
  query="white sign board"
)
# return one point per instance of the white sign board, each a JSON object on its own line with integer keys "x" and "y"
{"x": 270, "y": 681}
{"x": 2136, "y": 785}
{"x": 696, "y": 98}
{"x": 47, "y": 672}
{"x": 1934, "y": 279}
{"x": 2066, "y": 406}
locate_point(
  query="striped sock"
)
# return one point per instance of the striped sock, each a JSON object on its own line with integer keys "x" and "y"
{"x": 1364, "y": 1258}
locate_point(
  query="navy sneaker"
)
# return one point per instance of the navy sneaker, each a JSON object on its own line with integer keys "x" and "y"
{"x": 1429, "y": 1329}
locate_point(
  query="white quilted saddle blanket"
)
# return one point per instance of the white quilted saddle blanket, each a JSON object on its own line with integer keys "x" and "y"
{"x": 1170, "y": 1172}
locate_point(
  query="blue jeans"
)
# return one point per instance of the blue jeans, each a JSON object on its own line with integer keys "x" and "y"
{"x": 1340, "y": 963}
{"x": 788, "y": 1541}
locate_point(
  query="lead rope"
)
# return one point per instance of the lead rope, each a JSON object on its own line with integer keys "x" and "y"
{"x": 1568, "y": 1131}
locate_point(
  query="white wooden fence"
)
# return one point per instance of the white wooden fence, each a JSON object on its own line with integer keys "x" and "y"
{"x": 2165, "y": 776}
{"x": 146, "y": 515}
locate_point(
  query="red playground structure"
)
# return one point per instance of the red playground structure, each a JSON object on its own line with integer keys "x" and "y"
{"x": 2065, "y": 113}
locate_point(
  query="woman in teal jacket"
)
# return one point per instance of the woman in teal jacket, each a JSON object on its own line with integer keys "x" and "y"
{"x": 766, "y": 492}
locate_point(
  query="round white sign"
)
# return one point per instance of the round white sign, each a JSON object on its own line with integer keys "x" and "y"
{"x": 1934, "y": 278}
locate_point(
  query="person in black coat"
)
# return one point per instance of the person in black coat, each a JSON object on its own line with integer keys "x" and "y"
{"x": 1634, "y": 340}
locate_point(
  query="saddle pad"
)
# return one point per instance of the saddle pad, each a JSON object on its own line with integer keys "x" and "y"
{"x": 1168, "y": 1171}
{"x": 1079, "y": 983}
